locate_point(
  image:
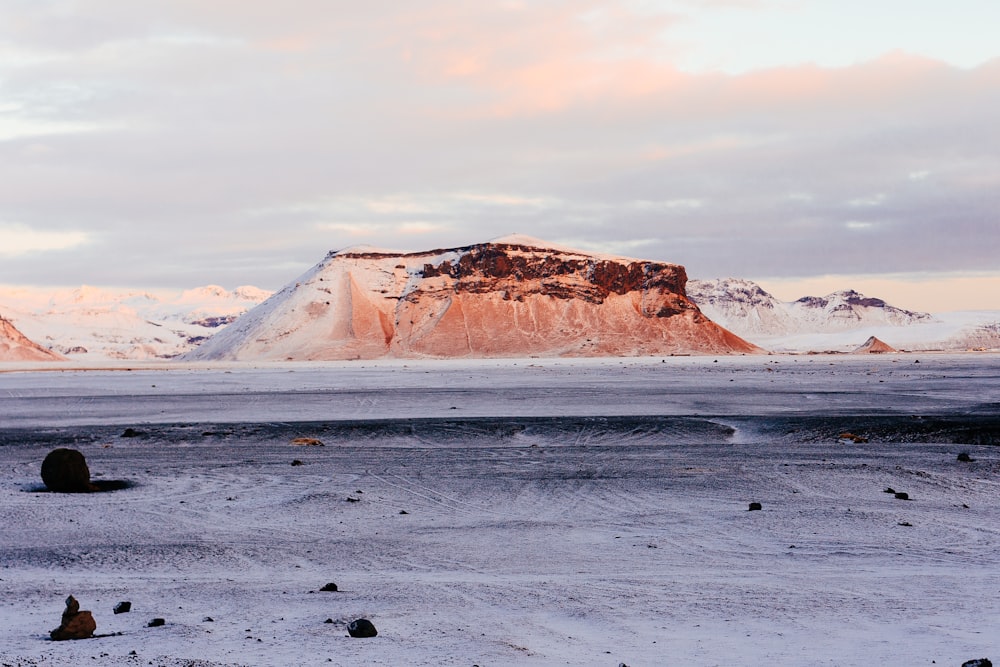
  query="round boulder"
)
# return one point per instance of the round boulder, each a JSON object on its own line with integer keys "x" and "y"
{"x": 65, "y": 471}
{"x": 361, "y": 628}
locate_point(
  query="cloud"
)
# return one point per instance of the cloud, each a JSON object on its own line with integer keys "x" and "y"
{"x": 19, "y": 240}
{"x": 225, "y": 142}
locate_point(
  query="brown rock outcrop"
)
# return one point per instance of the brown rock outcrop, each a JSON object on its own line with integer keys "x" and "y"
{"x": 513, "y": 297}
{"x": 75, "y": 624}
{"x": 874, "y": 346}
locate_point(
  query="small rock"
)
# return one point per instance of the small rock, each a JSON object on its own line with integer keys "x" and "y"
{"x": 755, "y": 507}
{"x": 132, "y": 433}
{"x": 361, "y": 628}
{"x": 403, "y": 512}
{"x": 329, "y": 620}
{"x": 123, "y": 607}
{"x": 208, "y": 619}
{"x": 65, "y": 471}
{"x": 906, "y": 523}
{"x": 353, "y": 500}
{"x": 75, "y": 624}
{"x": 965, "y": 458}
{"x": 329, "y": 588}
{"x": 889, "y": 489}
{"x": 156, "y": 622}
{"x": 296, "y": 462}
{"x": 979, "y": 662}
{"x": 902, "y": 495}
{"x": 307, "y": 442}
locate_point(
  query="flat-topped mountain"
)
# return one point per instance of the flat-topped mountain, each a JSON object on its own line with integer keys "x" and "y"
{"x": 512, "y": 297}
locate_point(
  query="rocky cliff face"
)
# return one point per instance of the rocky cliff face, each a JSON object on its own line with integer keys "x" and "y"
{"x": 512, "y": 297}
{"x": 15, "y": 346}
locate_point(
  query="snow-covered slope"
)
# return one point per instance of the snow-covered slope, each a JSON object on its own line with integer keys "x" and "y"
{"x": 89, "y": 323}
{"x": 514, "y": 296}
{"x": 840, "y": 321}
{"x": 15, "y": 346}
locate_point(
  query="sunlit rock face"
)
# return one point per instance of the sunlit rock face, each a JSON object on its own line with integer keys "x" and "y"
{"x": 512, "y": 297}
{"x": 15, "y": 346}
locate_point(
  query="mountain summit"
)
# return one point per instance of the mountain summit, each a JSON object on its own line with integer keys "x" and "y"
{"x": 511, "y": 297}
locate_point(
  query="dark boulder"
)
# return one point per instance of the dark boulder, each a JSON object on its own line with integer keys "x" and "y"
{"x": 754, "y": 507}
{"x": 979, "y": 662}
{"x": 329, "y": 588}
{"x": 902, "y": 495}
{"x": 75, "y": 624}
{"x": 361, "y": 628}
{"x": 65, "y": 471}
{"x": 123, "y": 607}
{"x": 156, "y": 622}
{"x": 965, "y": 458}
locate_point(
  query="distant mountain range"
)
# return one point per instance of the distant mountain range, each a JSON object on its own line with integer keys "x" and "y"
{"x": 515, "y": 296}
{"x": 836, "y": 322}
{"x": 91, "y": 324}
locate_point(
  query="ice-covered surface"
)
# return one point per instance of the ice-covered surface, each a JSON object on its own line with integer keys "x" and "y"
{"x": 570, "y": 512}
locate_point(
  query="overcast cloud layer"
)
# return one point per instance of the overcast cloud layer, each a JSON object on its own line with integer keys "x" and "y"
{"x": 171, "y": 143}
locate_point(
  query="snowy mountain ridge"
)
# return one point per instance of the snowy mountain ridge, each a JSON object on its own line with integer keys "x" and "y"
{"x": 91, "y": 323}
{"x": 839, "y": 321}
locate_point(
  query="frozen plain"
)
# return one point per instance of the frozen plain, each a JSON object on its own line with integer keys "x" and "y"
{"x": 558, "y": 512}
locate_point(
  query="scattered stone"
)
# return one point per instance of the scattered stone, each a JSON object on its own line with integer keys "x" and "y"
{"x": 123, "y": 607}
{"x": 353, "y": 500}
{"x": 296, "y": 462}
{"x": 906, "y": 523}
{"x": 902, "y": 495}
{"x": 403, "y": 512}
{"x": 65, "y": 471}
{"x": 979, "y": 662}
{"x": 329, "y": 588}
{"x": 889, "y": 489}
{"x": 307, "y": 442}
{"x": 156, "y": 622}
{"x": 75, "y": 624}
{"x": 965, "y": 458}
{"x": 329, "y": 620}
{"x": 132, "y": 433}
{"x": 361, "y": 628}
{"x": 208, "y": 619}
{"x": 755, "y": 507}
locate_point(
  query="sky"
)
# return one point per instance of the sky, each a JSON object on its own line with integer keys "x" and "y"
{"x": 811, "y": 145}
